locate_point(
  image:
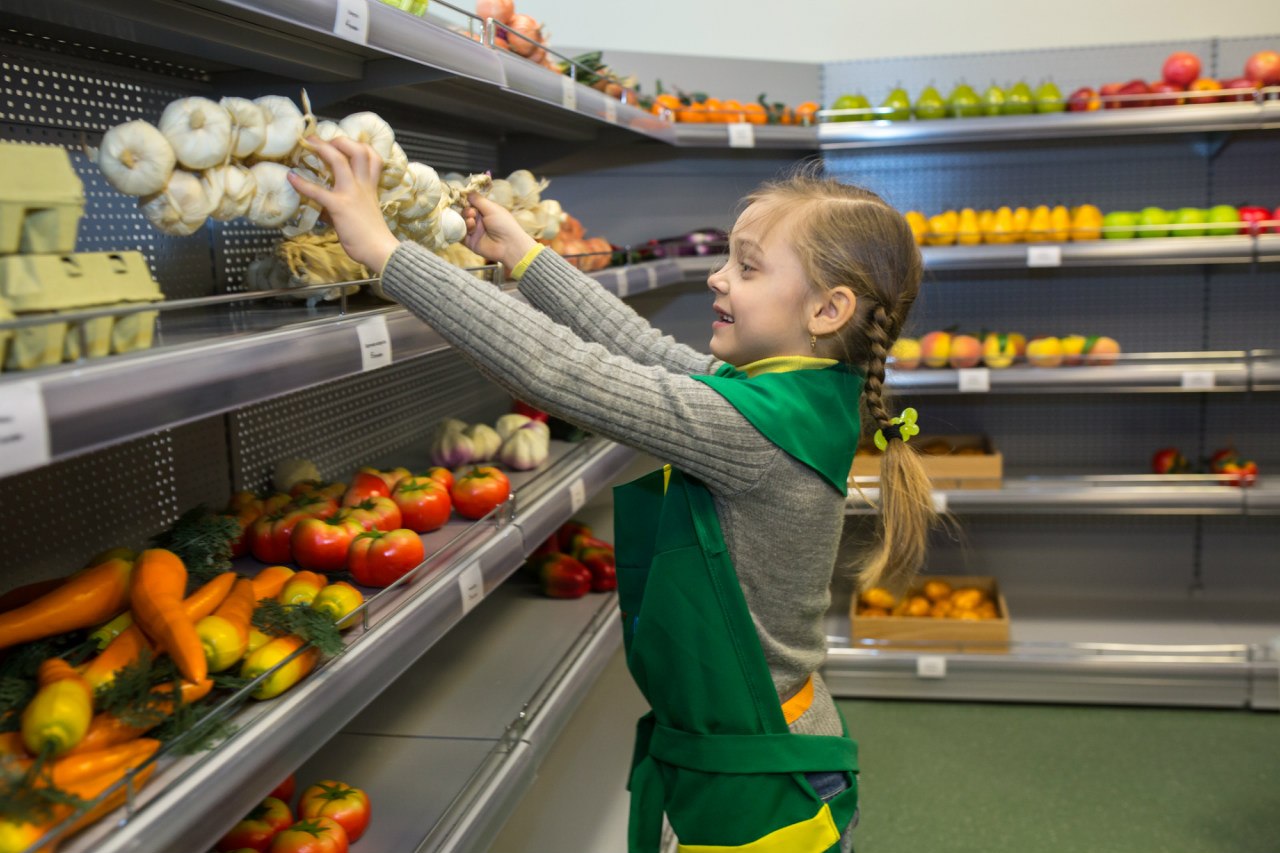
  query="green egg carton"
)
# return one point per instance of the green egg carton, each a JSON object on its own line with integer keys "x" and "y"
{"x": 79, "y": 280}
{"x": 110, "y": 335}
{"x": 37, "y": 346}
{"x": 41, "y": 199}
{"x": 5, "y": 334}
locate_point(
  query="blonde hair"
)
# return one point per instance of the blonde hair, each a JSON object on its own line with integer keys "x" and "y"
{"x": 846, "y": 235}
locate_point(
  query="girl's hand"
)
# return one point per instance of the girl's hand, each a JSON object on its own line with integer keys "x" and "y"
{"x": 493, "y": 232}
{"x": 351, "y": 206}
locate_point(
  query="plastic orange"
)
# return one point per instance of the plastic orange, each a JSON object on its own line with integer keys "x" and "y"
{"x": 693, "y": 114}
{"x": 806, "y": 113}
{"x": 731, "y": 111}
{"x": 755, "y": 114}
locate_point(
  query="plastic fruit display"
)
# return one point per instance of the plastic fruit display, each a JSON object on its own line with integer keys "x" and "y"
{"x": 1048, "y": 98}
{"x": 935, "y": 349}
{"x": 966, "y": 351}
{"x": 1153, "y": 221}
{"x": 1018, "y": 101}
{"x": 1045, "y": 352}
{"x": 930, "y": 105}
{"x": 934, "y": 599}
{"x": 905, "y": 353}
{"x": 852, "y": 102}
{"x": 964, "y": 102}
{"x": 897, "y": 105}
{"x": 1223, "y": 213}
{"x": 969, "y": 226}
{"x": 993, "y": 100}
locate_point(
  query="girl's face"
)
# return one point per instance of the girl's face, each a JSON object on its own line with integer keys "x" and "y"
{"x": 761, "y": 294}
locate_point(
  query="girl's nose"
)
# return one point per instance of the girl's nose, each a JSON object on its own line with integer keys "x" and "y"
{"x": 717, "y": 280}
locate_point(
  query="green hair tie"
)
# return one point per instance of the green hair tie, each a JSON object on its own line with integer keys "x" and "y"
{"x": 902, "y": 427}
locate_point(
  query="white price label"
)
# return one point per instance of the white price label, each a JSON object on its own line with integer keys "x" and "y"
{"x": 352, "y": 21}
{"x": 931, "y": 666}
{"x": 623, "y": 285}
{"x": 375, "y": 343}
{"x": 975, "y": 380}
{"x": 24, "y": 428}
{"x": 577, "y": 495}
{"x": 568, "y": 93}
{"x": 939, "y": 502}
{"x": 1044, "y": 256}
{"x": 652, "y": 275}
{"x": 1198, "y": 380}
{"x": 742, "y": 135}
{"x": 610, "y": 110}
{"x": 471, "y": 585}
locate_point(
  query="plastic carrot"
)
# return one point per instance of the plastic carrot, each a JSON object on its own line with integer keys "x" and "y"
{"x": 108, "y": 730}
{"x": 270, "y": 581}
{"x": 199, "y": 604}
{"x": 58, "y": 716}
{"x": 159, "y": 581}
{"x": 338, "y": 600}
{"x": 83, "y": 765}
{"x": 11, "y": 745}
{"x": 224, "y": 634}
{"x": 302, "y": 588}
{"x": 86, "y": 599}
{"x": 269, "y": 656}
{"x": 28, "y": 593}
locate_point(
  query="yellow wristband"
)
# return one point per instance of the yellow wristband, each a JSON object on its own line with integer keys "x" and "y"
{"x": 518, "y": 269}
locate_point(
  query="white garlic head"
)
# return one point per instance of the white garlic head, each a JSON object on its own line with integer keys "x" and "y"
{"x": 453, "y": 228}
{"x": 393, "y": 167}
{"x": 248, "y": 126}
{"x": 275, "y": 201}
{"x": 371, "y": 129}
{"x": 500, "y": 193}
{"x": 235, "y": 186}
{"x": 199, "y": 131}
{"x": 284, "y": 125}
{"x": 135, "y": 158}
{"x": 181, "y": 207}
{"x": 527, "y": 189}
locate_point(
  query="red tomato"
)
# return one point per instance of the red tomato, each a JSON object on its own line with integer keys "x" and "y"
{"x": 322, "y": 546}
{"x": 245, "y": 503}
{"x": 444, "y": 476}
{"x": 373, "y": 514}
{"x": 315, "y": 505}
{"x": 522, "y": 408}
{"x": 562, "y": 576}
{"x": 390, "y": 476}
{"x": 240, "y": 546}
{"x": 424, "y": 503}
{"x": 284, "y": 791}
{"x": 315, "y": 835}
{"x": 479, "y": 490}
{"x": 258, "y": 828}
{"x": 364, "y": 486}
{"x": 337, "y": 800}
{"x": 380, "y": 559}
{"x": 269, "y": 538}
{"x": 315, "y": 487}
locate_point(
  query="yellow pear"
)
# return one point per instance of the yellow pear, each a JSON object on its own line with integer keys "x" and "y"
{"x": 918, "y": 224}
{"x": 968, "y": 232}
{"x": 1021, "y": 224}
{"x": 1002, "y": 227}
{"x": 1039, "y": 226}
{"x": 986, "y": 223}
{"x": 1059, "y": 224}
{"x": 1086, "y": 223}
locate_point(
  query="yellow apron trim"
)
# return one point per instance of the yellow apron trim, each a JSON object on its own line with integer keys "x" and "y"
{"x": 785, "y": 364}
{"x": 666, "y": 478}
{"x": 814, "y": 835}
{"x": 794, "y": 708}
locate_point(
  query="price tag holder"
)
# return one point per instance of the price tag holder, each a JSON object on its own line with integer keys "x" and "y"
{"x": 931, "y": 666}
{"x": 610, "y": 110}
{"x": 1198, "y": 380}
{"x": 352, "y": 21}
{"x": 624, "y": 286}
{"x": 568, "y": 93}
{"x": 939, "y": 502}
{"x": 577, "y": 495}
{"x": 651, "y": 276}
{"x": 375, "y": 343}
{"x": 742, "y": 135}
{"x": 975, "y": 380}
{"x": 471, "y": 585}
{"x": 24, "y": 428}
{"x": 1044, "y": 256}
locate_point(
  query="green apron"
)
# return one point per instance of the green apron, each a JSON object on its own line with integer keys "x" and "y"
{"x": 715, "y": 753}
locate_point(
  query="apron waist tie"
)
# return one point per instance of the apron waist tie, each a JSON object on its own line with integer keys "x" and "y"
{"x": 762, "y": 753}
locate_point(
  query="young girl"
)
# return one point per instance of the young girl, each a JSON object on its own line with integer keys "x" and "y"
{"x": 725, "y": 557}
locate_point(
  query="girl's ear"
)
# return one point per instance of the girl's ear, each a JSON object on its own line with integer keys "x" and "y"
{"x": 834, "y": 309}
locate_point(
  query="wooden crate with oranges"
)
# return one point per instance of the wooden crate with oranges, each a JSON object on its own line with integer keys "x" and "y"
{"x": 941, "y": 613}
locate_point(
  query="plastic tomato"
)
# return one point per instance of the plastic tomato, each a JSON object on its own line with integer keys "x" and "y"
{"x": 259, "y": 827}
{"x": 479, "y": 490}
{"x": 321, "y": 546}
{"x": 315, "y": 835}
{"x": 380, "y": 559}
{"x": 284, "y": 791}
{"x": 339, "y": 801}
{"x": 270, "y": 535}
{"x": 443, "y": 476}
{"x": 315, "y": 505}
{"x": 375, "y": 513}
{"x": 391, "y": 476}
{"x": 365, "y": 485}
{"x": 424, "y": 503}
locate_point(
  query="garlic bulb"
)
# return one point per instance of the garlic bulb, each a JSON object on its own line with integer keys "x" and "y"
{"x": 289, "y": 472}
{"x": 284, "y": 124}
{"x": 303, "y": 156}
{"x": 508, "y": 424}
{"x": 199, "y": 131}
{"x": 500, "y": 193}
{"x": 529, "y": 222}
{"x": 425, "y": 190}
{"x": 527, "y": 189}
{"x": 135, "y": 158}
{"x": 275, "y": 201}
{"x": 181, "y": 207}
{"x": 372, "y": 130}
{"x": 419, "y": 230}
{"x": 548, "y": 222}
{"x": 453, "y": 228}
{"x": 457, "y": 180}
{"x": 234, "y": 185}
{"x": 450, "y": 446}
{"x": 393, "y": 167}
{"x": 484, "y": 442}
{"x": 248, "y": 126}
{"x": 525, "y": 450}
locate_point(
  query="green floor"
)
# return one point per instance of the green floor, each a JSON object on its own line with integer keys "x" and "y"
{"x": 956, "y": 778}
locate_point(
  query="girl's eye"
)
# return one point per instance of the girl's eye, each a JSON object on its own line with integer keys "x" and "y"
{"x": 746, "y": 267}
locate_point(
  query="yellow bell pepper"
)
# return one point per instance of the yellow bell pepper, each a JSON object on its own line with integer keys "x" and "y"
{"x": 59, "y": 714}
{"x": 338, "y": 600}
{"x": 269, "y": 656}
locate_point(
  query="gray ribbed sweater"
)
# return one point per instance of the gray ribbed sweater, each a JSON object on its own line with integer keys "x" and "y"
{"x": 588, "y": 358}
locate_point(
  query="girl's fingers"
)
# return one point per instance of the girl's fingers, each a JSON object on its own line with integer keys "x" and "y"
{"x": 337, "y": 161}
{"x": 366, "y": 165}
{"x": 307, "y": 189}
{"x": 483, "y": 205}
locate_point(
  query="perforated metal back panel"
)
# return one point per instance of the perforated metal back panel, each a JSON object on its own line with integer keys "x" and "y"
{"x": 362, "y": 420}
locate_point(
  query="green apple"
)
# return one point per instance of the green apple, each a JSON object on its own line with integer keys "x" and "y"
{"x": 993, "y": 100}
{"x": 1049, "y": 98}
{"x": 1123, "y": 221}
{"x": 852, "y": 102}
{"x": 897, "y": 104}
{"x": 1154, "y": 222}
{"x": 1190, "y": 216}
{"x": 930, "y": 105}
{"x": 1224, "y": 213}
{"x": 1019, "y": 101}
{"x": 964, "y": 102}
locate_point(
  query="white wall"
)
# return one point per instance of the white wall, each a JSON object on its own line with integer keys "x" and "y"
{"x": 833, "y": 30}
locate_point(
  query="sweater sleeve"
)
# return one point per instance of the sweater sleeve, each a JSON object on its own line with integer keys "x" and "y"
{"x": 669, "y": 415}
{"x": 571, "y": 297}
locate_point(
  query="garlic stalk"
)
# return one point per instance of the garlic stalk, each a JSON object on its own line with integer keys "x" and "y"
{"x": 284, "y": 123}
{"x": 275, "y": 201}
{"x": 372, "y": 130}
{"x": 181, "y": 207}
{"x": 248, "y": 126}
{"x": 527, "y": 189}
{"x": 234, "y": 187}
{"x": 199, "y": 131}
{"x": 135, "y": 158}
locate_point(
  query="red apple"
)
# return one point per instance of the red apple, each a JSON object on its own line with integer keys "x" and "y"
{"x": 1135, "y": 87}
{"x": 1264, "y": 66}
{"x": 1251, "y": 215}
{"x": 1204, "y": 84}
{"x": 1181, "y": 68}
{"x": 1239, "y": 83}
{"x": 1083, "y": 100}
{"x": 1166, "y": 88}
{"x": 1169, "y": 460}
{"x": 1106, "y": 91}
{"x": 1275, "y": 215}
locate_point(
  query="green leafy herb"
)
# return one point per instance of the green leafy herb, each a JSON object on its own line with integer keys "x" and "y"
{"x": 128, "y": 696}
{"x": 27, "y": 796}
{"x": 15, "y": 693}
{"x": 228, "y": 681}
{"x": 193, "y": 728}
{"x": 18, "y": 672}
{"x": 203, "y": 540}
{"x": 313, "y": 626}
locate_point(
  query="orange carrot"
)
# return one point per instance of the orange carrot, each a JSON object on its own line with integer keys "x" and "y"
{"x": 270, "y": 581}
{"x": 159, "y": 580}
{"x": 206, "y": 599}
{"x": 224, "y": 634}
{"x": 108, "y": 730}
{"x": 28, "y": 593}
{"x": 87, "y": 598}
{"x": 11, "y": 745}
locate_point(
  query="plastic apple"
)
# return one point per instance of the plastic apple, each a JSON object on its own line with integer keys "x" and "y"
{"x": 906, "y": 354}
{"x": 1083, "y": 100}
{"x": 1101, "y": 351}
{"x": 1264, "y": 66}
{"x": 1203, "y": 85}
{"x": 1106, "y": 91}
{"x": 1240, "y": 83}
{"x": 1135, "y": 87}
{"x": 1166, "y": 88}
{"x": 966, "y": 351}
{"x": 935, "y": 349}
{"x": 998, "y": 350}
{"x": 1073, "y": 349}
{"x": 1181, "y": 68}
{"x": 1045, "y": 352}
{"x": 1251, "y": 215}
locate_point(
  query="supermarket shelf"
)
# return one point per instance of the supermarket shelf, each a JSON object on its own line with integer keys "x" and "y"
{"x": 217, "y": 358}
{"x": 759, "y": 136}
{"x": 1190, "y": 372}
{"x": 403, "y": 622}
{"x": 1139, "y": 494}
{"x": 1204, "y": 118}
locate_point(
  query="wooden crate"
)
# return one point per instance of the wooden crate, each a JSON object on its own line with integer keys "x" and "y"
{"x": 926, "y": 634}
{"x": 949, "y": 470}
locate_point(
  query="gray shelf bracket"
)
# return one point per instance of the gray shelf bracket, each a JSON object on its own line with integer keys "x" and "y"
{"x": 1210, "y": 145}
